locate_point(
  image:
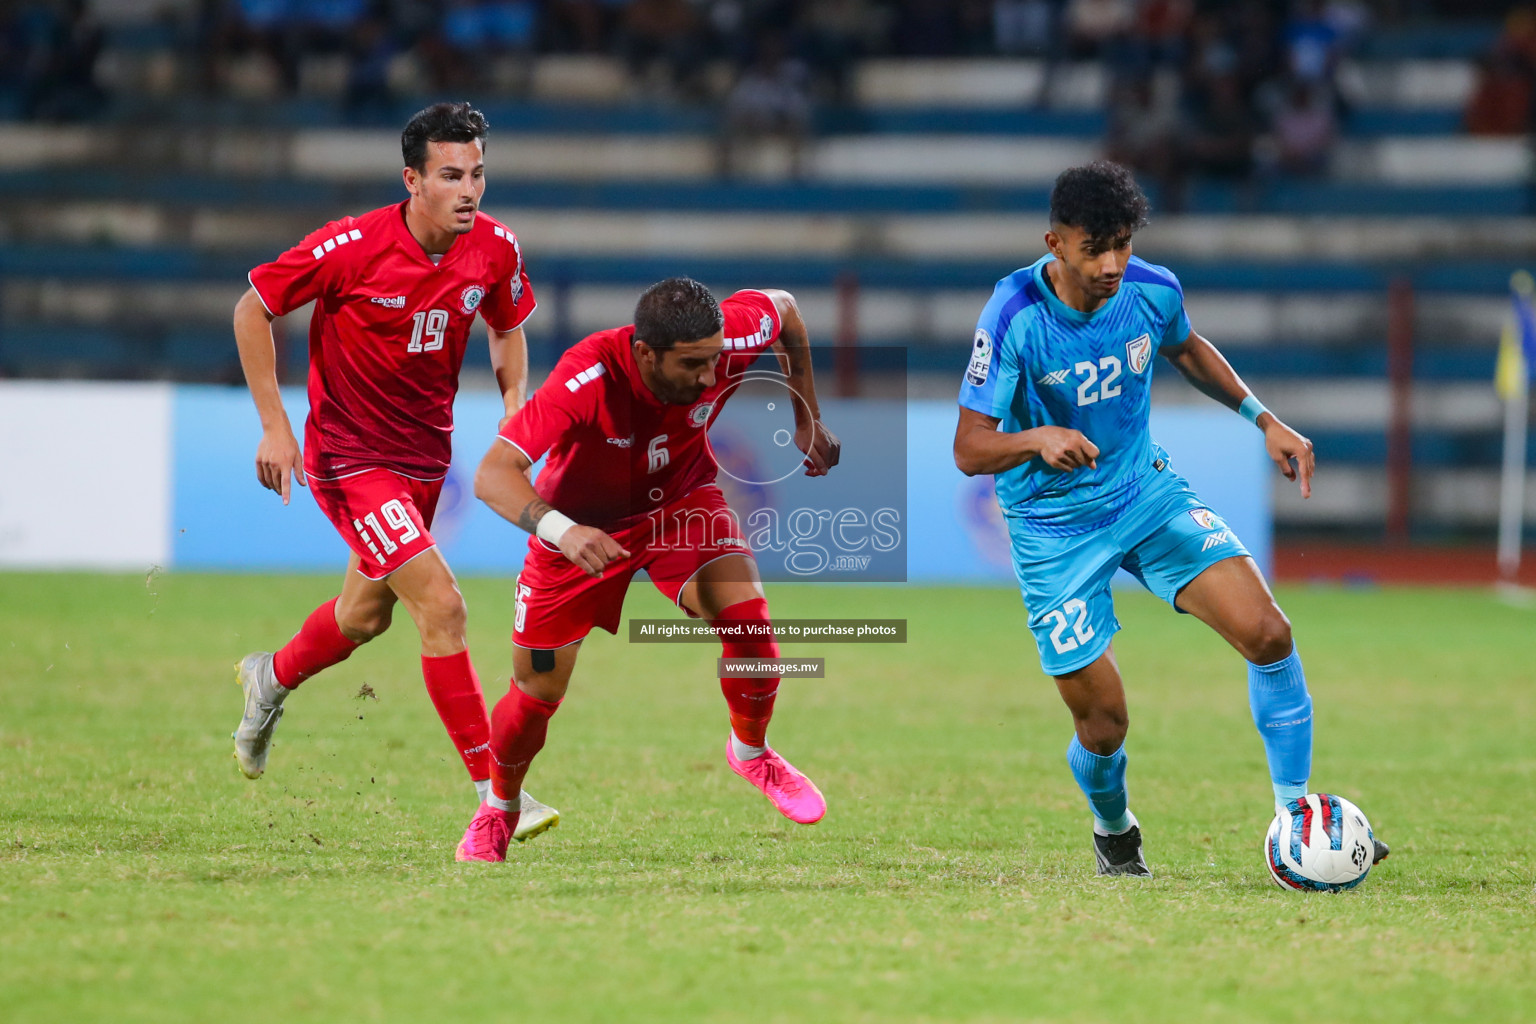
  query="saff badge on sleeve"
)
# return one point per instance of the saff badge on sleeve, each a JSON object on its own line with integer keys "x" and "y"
{"x": 981, "y": 359}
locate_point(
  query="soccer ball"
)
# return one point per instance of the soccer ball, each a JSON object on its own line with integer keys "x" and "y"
{"x": 1319, "y": 842}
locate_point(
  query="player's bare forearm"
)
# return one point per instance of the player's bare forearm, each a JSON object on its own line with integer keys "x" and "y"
{"x": 502, "y": 483}
{"x": 532, "y": 512}
{"x": 983, "y": 451}
{"x": 509, "y": 361}
{"x": 1203, "y": 365}
{"x": 279, "y": 459}
{"x": 981, "y": 448}
{"x": 793, "y": 346}
{"x": 258, "y": 360}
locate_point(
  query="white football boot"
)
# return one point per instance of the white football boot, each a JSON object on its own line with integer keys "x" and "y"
{"x": 263, "y": 707}
{"x": 534, "y": 819}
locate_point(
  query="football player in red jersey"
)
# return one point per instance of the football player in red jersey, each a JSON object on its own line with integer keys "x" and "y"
{"x": 629, "y": 485}
{"x": 395, "y": 293}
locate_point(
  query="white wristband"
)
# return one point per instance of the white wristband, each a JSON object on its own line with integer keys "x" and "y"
{"x": 552, "y": 526}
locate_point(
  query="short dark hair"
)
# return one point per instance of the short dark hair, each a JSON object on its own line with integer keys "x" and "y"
{"x": 441, "y": 122}
{"x": 1101, "y": 198}
{"x": 674, "y": 310}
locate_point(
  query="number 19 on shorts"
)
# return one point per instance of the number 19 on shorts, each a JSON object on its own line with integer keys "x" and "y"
{"x": 374, "y": 535}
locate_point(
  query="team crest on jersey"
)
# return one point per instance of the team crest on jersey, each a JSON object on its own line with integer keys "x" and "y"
{"x": 1207, "y": 519}
{"x": 981, "y": 358}
{"x": 470, "y": 300}
{"x": 699, "y": 414}
{"x": 1138, "y": 352}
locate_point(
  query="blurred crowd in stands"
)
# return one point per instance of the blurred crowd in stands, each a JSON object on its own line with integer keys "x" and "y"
{"x": 1229, "y": 92}
{"x": 1501, "y": 100}
{"x": 1237, "y": 89}
{"x": 48, "y": 58}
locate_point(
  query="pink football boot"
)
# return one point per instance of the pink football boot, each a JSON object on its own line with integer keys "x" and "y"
{"x": 796, "y": 796}
{"x": 488, "y": 834}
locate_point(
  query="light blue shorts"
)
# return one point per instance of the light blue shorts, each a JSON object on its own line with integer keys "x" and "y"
{"x": 1165, "y": 538}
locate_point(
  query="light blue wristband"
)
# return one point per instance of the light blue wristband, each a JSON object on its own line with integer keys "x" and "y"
{"x": 1251, "y": 410}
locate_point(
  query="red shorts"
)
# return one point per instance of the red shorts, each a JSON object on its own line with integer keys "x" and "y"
{"x": 382, "y": 516}
{"x": 558, "y": 603}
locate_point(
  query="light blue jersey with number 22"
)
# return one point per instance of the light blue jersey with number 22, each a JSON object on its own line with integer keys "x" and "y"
{"x": 1037, "y": 362}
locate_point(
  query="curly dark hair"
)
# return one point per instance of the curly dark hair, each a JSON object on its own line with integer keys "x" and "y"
{"x": 1101, "y": 198}
{"x": 441, "y": 122}
{"x": 674, "y": 310}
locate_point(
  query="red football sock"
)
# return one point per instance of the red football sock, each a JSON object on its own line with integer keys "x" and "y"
{"x": 750, "y": 700}
{"x": 455, "y": 692}
{"x": 519, "y": 724}
{"x": 318, "y": 644}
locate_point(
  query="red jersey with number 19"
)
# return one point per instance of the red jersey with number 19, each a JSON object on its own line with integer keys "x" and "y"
{"x": 616, "y": 451}
{"x": 388, "y": 335}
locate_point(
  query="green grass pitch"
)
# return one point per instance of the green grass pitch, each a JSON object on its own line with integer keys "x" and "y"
{"x": 143, "y": 879}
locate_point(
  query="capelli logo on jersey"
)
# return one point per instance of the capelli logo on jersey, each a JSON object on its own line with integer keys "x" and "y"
{"x": 622, "y": 442}
{"x": 389, "y": 301}
{"x": 469, "y": 301}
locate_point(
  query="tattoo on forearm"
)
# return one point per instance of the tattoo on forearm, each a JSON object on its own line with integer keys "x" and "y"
{"x": 529, "y": 518}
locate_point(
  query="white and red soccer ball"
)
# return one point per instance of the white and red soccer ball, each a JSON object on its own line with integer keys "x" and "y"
{"x": 1319, "y": 842}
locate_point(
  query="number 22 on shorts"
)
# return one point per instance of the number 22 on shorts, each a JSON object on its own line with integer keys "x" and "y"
{"x": 1063, "y": 616}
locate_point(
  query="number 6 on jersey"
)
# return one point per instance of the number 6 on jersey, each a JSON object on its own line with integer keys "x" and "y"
{"x": 656, "y": 454}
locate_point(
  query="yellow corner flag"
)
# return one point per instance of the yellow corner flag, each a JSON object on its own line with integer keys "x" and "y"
{"x": 1519, "y": 337}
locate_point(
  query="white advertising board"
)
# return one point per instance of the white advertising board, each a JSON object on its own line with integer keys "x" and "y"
{"x": 85, "y": 475}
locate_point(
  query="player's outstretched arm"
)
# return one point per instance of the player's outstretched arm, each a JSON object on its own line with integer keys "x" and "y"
{"x": 981, "y": 448}
{"x": 1203, "y": 365}
{"x": 279, "y": 460}
{"x": 502, "y": 483}
{"x": 793, "y": 347}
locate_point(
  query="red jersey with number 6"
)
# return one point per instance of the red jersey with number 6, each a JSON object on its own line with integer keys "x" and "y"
{"x": 388, "y": 334}
{"x": 616, "y": 451}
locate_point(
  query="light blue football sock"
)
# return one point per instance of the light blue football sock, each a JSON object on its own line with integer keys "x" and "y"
{"x": 1282, "y": 710}
{"x": 1102, "y": 780}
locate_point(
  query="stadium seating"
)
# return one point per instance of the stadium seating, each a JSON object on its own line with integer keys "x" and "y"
{"x": 920, "y": 191}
